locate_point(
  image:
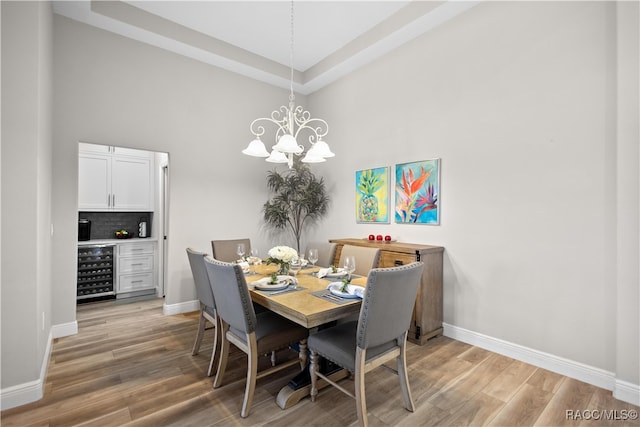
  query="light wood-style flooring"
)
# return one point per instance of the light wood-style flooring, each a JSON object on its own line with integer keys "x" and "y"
{"x": 131, "y": 365}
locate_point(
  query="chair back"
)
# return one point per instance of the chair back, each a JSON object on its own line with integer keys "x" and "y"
{"x": 200, "y": 277}
{"x": 366, "y": 258}
{"x": 326, "y": 252}
{"x": 388, "y": 303}
{"x": 225, "y": 250}
{"x": 233, "y": 302}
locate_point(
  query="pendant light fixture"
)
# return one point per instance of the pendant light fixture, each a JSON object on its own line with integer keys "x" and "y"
{"x": 289, "y": 122}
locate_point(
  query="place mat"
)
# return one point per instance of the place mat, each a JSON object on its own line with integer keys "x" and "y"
{"x": 281, "y": 291}
{"x": 328, "y": 296}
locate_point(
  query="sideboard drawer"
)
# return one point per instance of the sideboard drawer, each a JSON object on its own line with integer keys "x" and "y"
{"x": 394, "y": 259}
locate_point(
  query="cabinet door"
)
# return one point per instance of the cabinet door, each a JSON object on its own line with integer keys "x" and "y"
{"x": 94, "y": 182}
{"x": 85, "y": 147}
{"x": 131, "y": 184}
{"x": 130, "y": 152}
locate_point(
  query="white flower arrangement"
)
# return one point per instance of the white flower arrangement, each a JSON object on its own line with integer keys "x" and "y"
{"x": 282, "y": 254}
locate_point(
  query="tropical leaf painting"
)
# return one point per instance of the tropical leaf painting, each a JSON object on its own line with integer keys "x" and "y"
{"x": 372, "y": 195}
{"x": 418, "y": 192}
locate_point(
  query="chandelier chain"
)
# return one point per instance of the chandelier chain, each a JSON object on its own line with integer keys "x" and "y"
{"x": 291, "y": 95}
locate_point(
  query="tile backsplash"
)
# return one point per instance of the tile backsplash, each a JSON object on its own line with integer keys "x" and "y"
{"x": 105, "y": 224}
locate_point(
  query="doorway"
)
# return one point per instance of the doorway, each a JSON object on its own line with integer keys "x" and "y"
{"x": 137, "y": 268}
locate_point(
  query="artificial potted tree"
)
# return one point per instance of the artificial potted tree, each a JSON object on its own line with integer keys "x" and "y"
{"x": 299, "y": 200}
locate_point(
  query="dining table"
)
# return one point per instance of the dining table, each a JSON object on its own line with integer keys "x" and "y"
{"x": 310, "y": 304}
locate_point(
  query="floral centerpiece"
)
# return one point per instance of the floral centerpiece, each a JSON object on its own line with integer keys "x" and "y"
{"x": 282, "y": 255}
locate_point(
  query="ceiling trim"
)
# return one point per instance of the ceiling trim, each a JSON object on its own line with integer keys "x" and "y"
{"x": 411, "y": 21}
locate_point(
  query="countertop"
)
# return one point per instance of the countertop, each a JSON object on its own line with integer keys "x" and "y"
{"x": 118, "y": 241}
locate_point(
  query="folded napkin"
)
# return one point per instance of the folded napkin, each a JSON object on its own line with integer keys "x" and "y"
{"x": 244, "y": 265}
{"x": 328, "y": 271}
{"x": 351, "y": 289}
{"x": 267, "y": 280}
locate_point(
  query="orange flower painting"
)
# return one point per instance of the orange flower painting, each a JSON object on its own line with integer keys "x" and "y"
{"x": 417, "y": 192}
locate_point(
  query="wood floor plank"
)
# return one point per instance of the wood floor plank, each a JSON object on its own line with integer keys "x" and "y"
{"x": 506, "y": 385}
{"x": 524, "y": 408}
{"x": 572, "y": 395}
{"x": 130, "y": 365}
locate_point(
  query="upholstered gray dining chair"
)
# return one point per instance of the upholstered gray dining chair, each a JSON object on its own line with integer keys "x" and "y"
{"x": 379, "y": 335}
{"x": 225, "y": 250}
{"x": 251, "y": 333}
{"x": 207, "y": 304}
{"x": 366, "y": 258}
{"x": 326, "y": 252}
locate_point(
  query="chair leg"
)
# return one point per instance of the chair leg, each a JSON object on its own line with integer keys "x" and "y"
{"x": 313, "y": 369}
{"x": 252, "y": 373}
{"x": 361, "y": 404}
{"x": 201, "y": 325}
{"x": 224, "y": 356}
{"x": 216, "y": 344}
{"x": 404, "y": 378}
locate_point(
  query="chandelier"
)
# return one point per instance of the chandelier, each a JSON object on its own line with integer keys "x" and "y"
{"x": 289, "y": 122}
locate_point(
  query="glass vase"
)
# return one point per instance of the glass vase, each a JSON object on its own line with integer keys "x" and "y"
{"x": 284, "y": 269}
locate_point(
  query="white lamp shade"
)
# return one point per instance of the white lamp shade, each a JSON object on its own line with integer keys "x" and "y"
{"x": 321, "y": 149}
{"x": 312, "y": 158}
{"x": 277, "y": 157}
{"x": 256, "y": 148}
{"x": 288, "y": 144}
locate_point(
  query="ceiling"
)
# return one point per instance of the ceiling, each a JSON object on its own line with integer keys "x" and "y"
{"x": 253, "y": 38}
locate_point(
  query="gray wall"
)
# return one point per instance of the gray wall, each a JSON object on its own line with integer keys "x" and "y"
{"x": 26, "y": 189}
{"x": 519, "y": 101}
{"x": 111, "y": 90}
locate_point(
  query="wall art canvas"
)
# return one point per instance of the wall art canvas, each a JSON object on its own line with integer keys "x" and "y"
{"x": 418, "y": 192}
{"x": 372, "y": 195}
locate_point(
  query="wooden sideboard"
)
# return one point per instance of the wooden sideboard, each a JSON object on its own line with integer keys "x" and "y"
{"x": 427, "y": 313}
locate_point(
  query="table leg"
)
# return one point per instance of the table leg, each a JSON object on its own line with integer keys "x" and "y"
{"x": 300, "y": 386}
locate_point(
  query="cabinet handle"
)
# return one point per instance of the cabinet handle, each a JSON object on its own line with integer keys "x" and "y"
{"x": 108, "y": 200}
{"x": 137, "y": 249}
{"x": 136, "y": 281}
{"x": 136, "y": 264}
{"x": 398, "y": 262}
{"x": 114, "y": 200}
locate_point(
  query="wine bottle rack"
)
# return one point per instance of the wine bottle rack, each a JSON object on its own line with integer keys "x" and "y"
{"x": 96, "y": 272}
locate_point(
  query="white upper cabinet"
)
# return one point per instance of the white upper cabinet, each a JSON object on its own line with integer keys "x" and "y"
{"x": 114, "y": 179}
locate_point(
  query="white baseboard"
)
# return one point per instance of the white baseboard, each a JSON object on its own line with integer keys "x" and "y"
{"x": 624, "y": 391}
{"x": 627, "y": 392}
{"x": 182, "y": 307}
{"x": 28, "y": 392}
{"x": 64, "y": 329}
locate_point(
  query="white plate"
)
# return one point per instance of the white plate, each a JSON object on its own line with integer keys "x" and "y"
{"x": 266, "y": 285}
{"x": 340, "y": 273}
{"x": 334, "y": 288}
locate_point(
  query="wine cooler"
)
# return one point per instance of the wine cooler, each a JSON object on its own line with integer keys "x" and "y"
{"x": 96, "y": 273}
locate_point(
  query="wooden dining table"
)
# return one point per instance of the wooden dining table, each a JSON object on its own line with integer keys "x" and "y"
{"x": 306, "y": 309}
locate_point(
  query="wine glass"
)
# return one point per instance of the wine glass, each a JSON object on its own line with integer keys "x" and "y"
{"x": 240, "y": 250}
{"x": 350, "y": 265}
{"x": 294, "y": 267}
{"x": 313, "y": 256}
{"x": 253, "y": 260}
